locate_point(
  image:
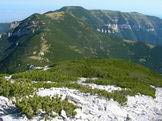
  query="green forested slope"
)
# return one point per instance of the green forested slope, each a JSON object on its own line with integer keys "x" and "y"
{"x": 42, "y": 39}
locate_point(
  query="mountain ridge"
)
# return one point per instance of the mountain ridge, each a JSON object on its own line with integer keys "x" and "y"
{"x": 61, "y": 35}
{"x": 141, "y": 27}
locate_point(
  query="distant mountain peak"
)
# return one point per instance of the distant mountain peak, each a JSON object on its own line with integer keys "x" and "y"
{"x": 72, "y": 8}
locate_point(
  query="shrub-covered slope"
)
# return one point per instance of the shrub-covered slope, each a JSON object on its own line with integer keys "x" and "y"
{"x": 130, "y": 79}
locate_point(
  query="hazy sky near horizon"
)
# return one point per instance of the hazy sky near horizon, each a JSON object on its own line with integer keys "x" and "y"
{"x": 11, "y": 10}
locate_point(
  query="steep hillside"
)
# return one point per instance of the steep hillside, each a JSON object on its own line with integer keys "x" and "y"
{"x": 131, "y": 26}
{"x": 70, "y": 33}
{"x": 4, "y": 44}
{"x": 41, "y": 39}
{"x": 5, "y": 32}
{"x": 4, "y": 27}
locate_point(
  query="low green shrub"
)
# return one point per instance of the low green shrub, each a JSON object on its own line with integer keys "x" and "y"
{"x": 31, "y": 106}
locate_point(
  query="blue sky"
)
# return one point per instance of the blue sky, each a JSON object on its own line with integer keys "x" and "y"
{"x": 11, "y": 10}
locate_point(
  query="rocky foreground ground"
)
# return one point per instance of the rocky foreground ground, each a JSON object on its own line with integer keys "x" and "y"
{"x": 92, "y": 107}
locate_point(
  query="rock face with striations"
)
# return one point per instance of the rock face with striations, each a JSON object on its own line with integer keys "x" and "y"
{"x": 128, "y": 25}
